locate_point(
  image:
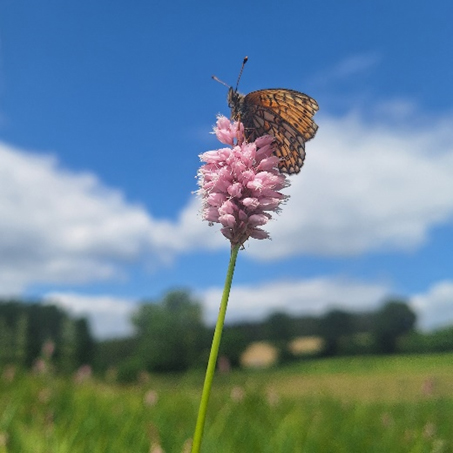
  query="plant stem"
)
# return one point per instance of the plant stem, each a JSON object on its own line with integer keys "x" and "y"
{"x": 210, "y": 370}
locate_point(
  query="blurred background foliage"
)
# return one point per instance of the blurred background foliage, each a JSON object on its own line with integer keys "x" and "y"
{"x": 170, "y": 336}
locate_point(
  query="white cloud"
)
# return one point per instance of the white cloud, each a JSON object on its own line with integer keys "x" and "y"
{"x": 57, "y": 226}
{"x": 435, "y": 306}
{"x": 379, "y": 186}
{"x": 108, "y": 316}
{"x": 307, "y": 297}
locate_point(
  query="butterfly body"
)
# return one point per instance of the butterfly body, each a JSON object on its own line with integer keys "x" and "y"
{"x": 287, "y": 115}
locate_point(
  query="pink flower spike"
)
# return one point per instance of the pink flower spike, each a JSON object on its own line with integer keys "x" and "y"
{"x": 235, "y": 190}
{"x": 227, "y": 220}
{"x": 263, "y": 141}
{"x": 214, "y": 157}
{"x": 252, "y": 203}
{"x": 216, "y": 199}
{"x": 211, "y": 214}
{"x": 258, "y": 233}
{"x": 227, "y": 208}
{"x": 240, "y": 185}
{"x": 268, "y": 163}
{"x": 227, "y": 132}
{"x": 258, "y": 219}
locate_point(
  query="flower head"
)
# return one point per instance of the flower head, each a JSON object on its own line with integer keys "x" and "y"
{"x": 240, "y": 184}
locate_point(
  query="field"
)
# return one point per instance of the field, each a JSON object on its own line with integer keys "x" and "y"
{"x": 361, "y": 404}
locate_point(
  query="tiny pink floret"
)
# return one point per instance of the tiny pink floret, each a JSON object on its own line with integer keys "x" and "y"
{"x": 240, "y": 185}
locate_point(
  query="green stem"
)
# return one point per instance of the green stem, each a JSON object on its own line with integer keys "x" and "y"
{"x": 198, "y": 435}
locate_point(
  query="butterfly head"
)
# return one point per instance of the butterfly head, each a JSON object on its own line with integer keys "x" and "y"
{"x": 235, "y": 102}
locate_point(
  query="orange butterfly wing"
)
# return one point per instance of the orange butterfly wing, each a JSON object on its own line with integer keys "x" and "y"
{"x": 285, "y": 114}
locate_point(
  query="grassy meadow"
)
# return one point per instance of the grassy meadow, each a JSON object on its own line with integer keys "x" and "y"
{"x": 355, "y": 404}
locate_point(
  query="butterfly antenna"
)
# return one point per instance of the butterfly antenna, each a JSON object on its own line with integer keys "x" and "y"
{"x": 220, "y": 81}
{"x": 240, "y": 72}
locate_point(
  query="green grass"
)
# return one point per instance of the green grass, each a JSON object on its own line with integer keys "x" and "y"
{"x": 363, "y": 404}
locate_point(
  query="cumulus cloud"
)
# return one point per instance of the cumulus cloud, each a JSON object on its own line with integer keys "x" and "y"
{"x": 63, "y": 227}
{"x": 369, "y": 186}
{"x": 57, "y": 226}
{"x": 435, "y": 306}
{"x": 108, "y": 316}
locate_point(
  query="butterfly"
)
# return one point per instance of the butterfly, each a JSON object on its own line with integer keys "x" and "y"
{"x": 287, "y": 115}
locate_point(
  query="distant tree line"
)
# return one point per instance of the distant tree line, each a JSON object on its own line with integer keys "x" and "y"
{"x": 26, "y": 327}
{"x": 342, "y": 332}
{"x": 170, "y": 336}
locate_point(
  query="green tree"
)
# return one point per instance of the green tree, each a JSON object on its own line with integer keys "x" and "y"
{"x": 113, "y": 352}
{"x": 67, "y": 346}
{"x": 45, "y": 323}
{"x": 170, "y": 334}
{"x": 333, "y": 326}
{"x": 25, "y": 326}
{"x": 21, "y": 339}
{"x": 233, "y": 344}
{"x": 306, "y": 326}
{"x": 84, "y": 353}
{"x": 279, "y": 327}
{"x": 392, "y": 321}
{"x": 6, "y": 343}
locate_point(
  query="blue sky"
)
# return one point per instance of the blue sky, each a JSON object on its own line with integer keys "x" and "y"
{"x": 106, "y": 105}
